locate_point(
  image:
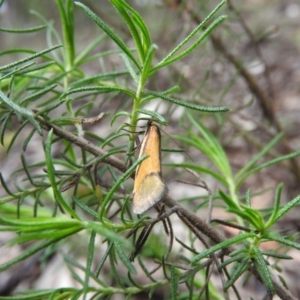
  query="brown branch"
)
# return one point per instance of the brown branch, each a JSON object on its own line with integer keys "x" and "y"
{"x": 266, "y": 102}
{"x": 185, "y": 215}
{"x": 84, "y": 144}
{"x": 255, "y": 46}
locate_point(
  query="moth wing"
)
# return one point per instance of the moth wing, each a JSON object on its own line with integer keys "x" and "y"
{"x": 150, "y": 191}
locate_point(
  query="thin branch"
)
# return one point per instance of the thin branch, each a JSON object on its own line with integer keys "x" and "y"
{"x": 185, "y": 215}
{"x": 266, "y": 102}
{"x": 256, "y": 48}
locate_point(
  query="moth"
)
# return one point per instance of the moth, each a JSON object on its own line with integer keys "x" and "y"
{"x": 149, "y": 187}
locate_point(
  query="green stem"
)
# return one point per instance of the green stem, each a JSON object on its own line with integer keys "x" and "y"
{"x": 66, "y": 15}
{"x": 234, "y": 197}
{"x": 134, "y": 118}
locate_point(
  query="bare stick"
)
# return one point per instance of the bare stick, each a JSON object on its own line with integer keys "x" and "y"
{"x": 182, "y": 213}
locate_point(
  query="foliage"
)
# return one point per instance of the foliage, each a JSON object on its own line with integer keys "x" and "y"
{"x": 48, "y": 92}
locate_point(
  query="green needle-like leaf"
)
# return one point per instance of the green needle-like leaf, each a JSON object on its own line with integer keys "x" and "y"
{"x": 51, "y": 175}
{"x": 109, "y": 32}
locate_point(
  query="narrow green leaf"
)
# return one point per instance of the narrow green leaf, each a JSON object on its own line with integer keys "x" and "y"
{"x": 40, "y": 295}
{"x": 186, "y": 104}
{"x": 230, "y": 203}
{"x": 66, "y": 121}
{"x": 138, "y": 21}
{"x": 21, "y": 111}
{"x": 36, "y": 67}
{"x": 79, "y": 59}
{"x": 199, "y": 169}
{"x": 119, "y": 114}
{"x": 25, "y": 168}
{"x": 253, "y": 213}
{"x": 286, "y": 208}
{"x": 257, "y": 157}
{"x": 154, "y": 115}
{"x": 283, "y": 241}
{"x": 22, "y": 61}
{"x": 208, "y": 136}
{"x": 235, "y": 258}
{"x": 96, "y": 79}
{"x": 151, "y": 291}
{"x": 113, "y": 137}
{"x": 106, "y": 232}
{"x": 29, "y": 224}
{"x": 28, "y": 138}
{"x": 16, "y": 71}
{"x": 266, "y": 165}
{"x": 12, "y": 141}
{"x": 133, "y": 282}
{"x": 104, "y": 258}
{"x": 170, "y": 57}
{"x": 99, "y": 90}
{"x": 113, "y": 269}
{"x": 132, "y": 71}
{"x": 38, "y": 94}
{"x": 276, "y": 255}
{"x": 124, "y": 258}
{"x": 170, "y": 91}
{"x": 66, "y": 16}
{"x": 58, "y": 233}
{"x": 51, "y": 176}
{"x": 172, "y": 150}
{"x": 6, "y": 188}
{"x": 211, "y": 148}
{"x": 4, "y": 123}
{"x": 145, "y": 269}
{"x": 76, "y": 265}
{"x": 251, "y": 216}
{"x": 222, "y": 245}
{"x": 262, "y": 269}
{"x": 276, "y": 207}
{"x": 26, "y": 30}
{"x": 85, "y": 208}
{"x": 29, "y": 252}
{"x": 108, "y": 31}
{"x": 147, "y": 65}
{"x": 189, "y": 275}
{"x": 174, "y": 284}
{"x": 89, "y": 263}
{"x": 248, "y": 197}
{"x": 116, "y": 185}
{"x": 239, "y": 271}
{"x": 12, "y": 210}
{"x": 136, "y": 28}
{"x": 49, "y": 108}
{"x": 204, "y": 35}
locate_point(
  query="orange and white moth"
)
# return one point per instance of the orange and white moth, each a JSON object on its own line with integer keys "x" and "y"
{"x": 148, "y": 185}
